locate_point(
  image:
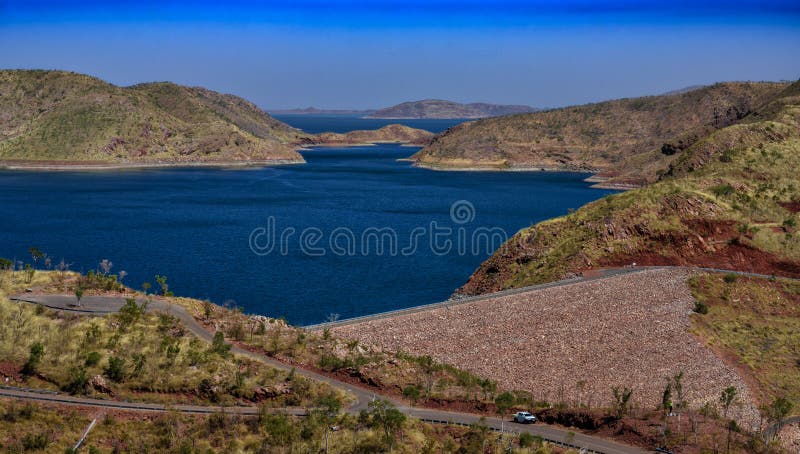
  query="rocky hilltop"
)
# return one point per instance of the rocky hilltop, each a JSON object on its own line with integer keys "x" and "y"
{"x": 394, "y": 133}
{"x": 63, "y": 117}
{"x": 728, "y": 199}
{"x": 436, "y": 108}
{"x": 629, "y": 141}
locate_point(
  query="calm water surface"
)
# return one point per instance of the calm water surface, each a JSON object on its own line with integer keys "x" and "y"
{"x": 194, "y": 225}
{"x": 315, "y": 124}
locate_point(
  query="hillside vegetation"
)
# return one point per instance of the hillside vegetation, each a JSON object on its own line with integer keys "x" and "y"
{"x": 730, "y": 200}
{"x": 63, "y": 116}
{"x": 628, "y": 140}
{"x": 755, "y": 324}
{"x": 437, "y": 108}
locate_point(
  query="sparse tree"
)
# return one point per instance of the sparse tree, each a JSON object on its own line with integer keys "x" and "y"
{"x": 146, "y": 287}
{"x": 726, "y": 399}
{"x": 36, "y": 255}
{"x": 78, "y": 295}
{"x": 106, "y": 266}
{"x": 429, "y": 368}
{"x": 29, "y": 272}
{"x": 162, "y": 282}
{"x": 504, "y": 402}
{"x": 122, "y": 275}
{"x": 385, "y": 415}
{"x": 776, "y": 412}
{"x": 621, "y": 399}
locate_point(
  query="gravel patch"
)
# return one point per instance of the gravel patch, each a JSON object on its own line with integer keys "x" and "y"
{"x": 572, "y": 343}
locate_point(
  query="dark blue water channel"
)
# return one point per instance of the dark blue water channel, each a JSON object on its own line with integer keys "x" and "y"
{"x": 209, "y": 230}
{"x": 315, "y": 124}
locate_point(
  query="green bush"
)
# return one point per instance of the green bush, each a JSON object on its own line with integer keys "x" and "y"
{"x": 730, "y": 278}
{"x": 77, "y": 380}
{"x": 92, "y": 359}
{"x": 700, "y": 308}
{"x": 527, "y": 440}
{"x": 115, "y": 369}
{"x": 411, "y": 392}
{"x": 34, "y": 358}
{"x": 219, "y": 346}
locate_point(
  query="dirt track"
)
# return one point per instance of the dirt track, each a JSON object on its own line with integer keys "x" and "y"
{"x": 629, "y": 330}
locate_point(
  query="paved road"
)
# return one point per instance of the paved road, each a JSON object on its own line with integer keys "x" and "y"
{"x": 597, "y": 275}
{"x": 95, "y": 305}
{"x": 601, "y": 274}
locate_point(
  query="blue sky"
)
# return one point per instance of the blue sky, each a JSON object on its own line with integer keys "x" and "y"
{"x": 358, "y": 54}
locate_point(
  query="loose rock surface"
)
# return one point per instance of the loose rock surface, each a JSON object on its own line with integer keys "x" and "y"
{"x": 572, "y": 343}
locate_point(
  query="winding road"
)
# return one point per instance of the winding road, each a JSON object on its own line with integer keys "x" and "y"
{"x": 100, "y": 305}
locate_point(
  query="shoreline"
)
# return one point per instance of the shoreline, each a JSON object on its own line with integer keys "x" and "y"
{"x": 66, "y": 166}
{"x": 362, "y": 144}
{"x": 599, "y": 182}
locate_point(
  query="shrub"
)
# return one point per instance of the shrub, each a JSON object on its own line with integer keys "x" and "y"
{"x": 412, "y": 392}
{"x": 130, "y": 312}
{"x": 722, "y": 190}
{"x": 77, "y": 380}
{"x": 34, "y": 358}
{"x": 236, "y": 331}
{"x": 115, "y": 369}
{"x": 219, "y": 346}
{"x": 37, "y": 442}
{"x": 527, "y": 440}
{"x": 92, "y": 359}
{"x": 730, "y": 278}
{"x": 700, "y": 308}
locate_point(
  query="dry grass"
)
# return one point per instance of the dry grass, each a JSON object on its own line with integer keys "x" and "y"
{"x": 163, "y": 362}
{"x": 756, "y": 323}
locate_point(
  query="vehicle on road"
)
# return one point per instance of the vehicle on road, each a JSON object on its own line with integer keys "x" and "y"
{"x": 523, "y": 417}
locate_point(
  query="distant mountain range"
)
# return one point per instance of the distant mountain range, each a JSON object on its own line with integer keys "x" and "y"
{"x": 437, "y": 108}
{"x": 315, "y": 111}
{"x": 427, "y": 108}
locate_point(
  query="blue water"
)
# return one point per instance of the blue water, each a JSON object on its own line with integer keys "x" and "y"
{"x": 194, "y": 225}
{"x": 315, "y": 124}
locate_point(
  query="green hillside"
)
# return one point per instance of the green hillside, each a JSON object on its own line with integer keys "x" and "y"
{"x": 628, "y": 140}
{"x": 730, "y": 200}
{"x": 63, "y": 116}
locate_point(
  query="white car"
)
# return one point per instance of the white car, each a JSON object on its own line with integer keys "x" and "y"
{"x": 523, "y": 417}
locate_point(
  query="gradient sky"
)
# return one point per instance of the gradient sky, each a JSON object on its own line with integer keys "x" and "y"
{"x": 368, "y": 54}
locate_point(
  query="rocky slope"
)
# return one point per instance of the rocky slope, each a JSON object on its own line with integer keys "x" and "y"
{"x": 436, "y": 108}
{"x": 388, "y": 134}
{"x": 628, "y": 140}
{"x": 58, "y": 116}
{"x": 729, "y": 200}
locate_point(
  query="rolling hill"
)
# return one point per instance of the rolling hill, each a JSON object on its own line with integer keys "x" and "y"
{"x": 628, "y": 141}
{"x": 393, "y": 133}
{"x": 436, "y": 108}
{"x": 58, "y": 116}
{"x": 729, "y": 200}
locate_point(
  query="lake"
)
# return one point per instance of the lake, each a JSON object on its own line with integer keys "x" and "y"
{"x": 341, "y": 123}
{"x": 352, "y": 232}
